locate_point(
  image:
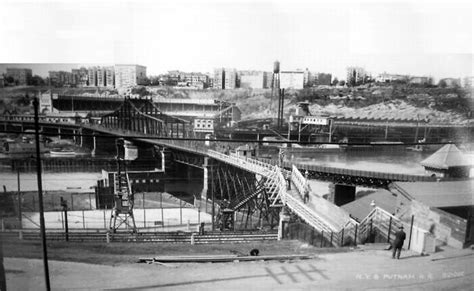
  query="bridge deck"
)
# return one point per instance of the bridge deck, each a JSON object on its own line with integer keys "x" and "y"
{"x": 198, "y": 147}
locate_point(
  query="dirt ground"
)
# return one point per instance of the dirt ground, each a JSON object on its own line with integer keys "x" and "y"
{"x": 355, "y": 269}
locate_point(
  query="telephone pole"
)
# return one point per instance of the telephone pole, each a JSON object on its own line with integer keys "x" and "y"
{"x": 40, "y": 197}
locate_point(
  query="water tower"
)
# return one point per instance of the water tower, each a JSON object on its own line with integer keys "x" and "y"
{"x": 277, "y": 92}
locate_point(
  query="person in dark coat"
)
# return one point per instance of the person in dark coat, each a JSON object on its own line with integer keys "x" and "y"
{"x": 398, "y": 243}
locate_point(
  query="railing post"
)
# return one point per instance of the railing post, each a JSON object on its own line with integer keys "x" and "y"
{"x": 355, "y": 235}
{"x": 389, "y": 229}
{"x": 342, "y": 238}
{"x": 411, "y": 230}
{"x": 370, "y": 231}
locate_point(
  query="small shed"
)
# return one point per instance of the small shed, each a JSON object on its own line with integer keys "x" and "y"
{"x": 448, "y": 162}
{"x": 245, "y": 151}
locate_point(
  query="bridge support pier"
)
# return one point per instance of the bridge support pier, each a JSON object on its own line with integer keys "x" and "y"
{"x": 205, "y": 182}
{"x": 81, "y": 138}
{"x": 283, "y": 222}
{"x": 94, "y": 145}
{"x": 340, "y": 194}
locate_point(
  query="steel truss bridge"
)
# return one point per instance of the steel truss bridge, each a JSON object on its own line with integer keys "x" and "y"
{"x": 251, "y": 192}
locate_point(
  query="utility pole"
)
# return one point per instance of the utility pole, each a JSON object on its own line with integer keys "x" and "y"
{"x": 64, "y": 205}
{"x": 40, "y": 197}
{"x": 19, "y": 196}
{"x": 212, "y": 196}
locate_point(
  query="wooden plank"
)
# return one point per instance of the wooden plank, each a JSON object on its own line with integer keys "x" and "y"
{"x": 223, "y": 258}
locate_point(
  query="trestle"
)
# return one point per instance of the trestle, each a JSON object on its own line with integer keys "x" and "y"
{"x": 244, "y": 200}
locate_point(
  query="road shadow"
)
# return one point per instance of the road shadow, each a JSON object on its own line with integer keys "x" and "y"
{"x": 278, "y": 273}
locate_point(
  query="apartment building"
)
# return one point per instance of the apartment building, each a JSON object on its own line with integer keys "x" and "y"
{"x": 109, "y": 77}
{"x": 92, "y": 77}
{"x": 252, "y": 79}
{"x": 80, "y": 77}
{"x": 355, "y": 76}
{"x": 292, "y": 79}
{"x": 20, "y": 76}
{"x": 129, "y": 75}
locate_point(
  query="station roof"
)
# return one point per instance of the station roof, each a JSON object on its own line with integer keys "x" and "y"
{"x": 446, "y": 157}
{"x": 439, "y": 194}
{"x": 361, "y": 207}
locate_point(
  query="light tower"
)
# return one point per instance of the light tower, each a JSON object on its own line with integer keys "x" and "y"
{"x": 277, "y": 93}
{"x": 123, "y": 193}
{"x": 275, "y": 82}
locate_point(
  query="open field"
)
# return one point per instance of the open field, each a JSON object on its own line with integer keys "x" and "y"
{"x": 123, "y": 253}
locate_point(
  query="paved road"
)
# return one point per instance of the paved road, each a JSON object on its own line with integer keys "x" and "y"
{"x": 356, "y": 270}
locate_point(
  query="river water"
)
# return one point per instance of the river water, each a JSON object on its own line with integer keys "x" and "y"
{"x": 407, "y": 162}
{"x": 394, "y": 162}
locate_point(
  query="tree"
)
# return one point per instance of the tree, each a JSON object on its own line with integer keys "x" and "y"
{"x": 9, "y": 80}
{"x": 36, "y": 81}
{"x": 141, "y": 91}
{"x": 335, "y": 82}
{"x": 342, "y": 83}
{"x": 442, "y": 84}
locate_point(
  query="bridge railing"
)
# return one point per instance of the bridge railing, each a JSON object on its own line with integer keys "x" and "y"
{"x": 380, "y": 225}
{"x": 301, "y": 183}
{"x": 253, "y": 165}
{"x": 301, "y": 209}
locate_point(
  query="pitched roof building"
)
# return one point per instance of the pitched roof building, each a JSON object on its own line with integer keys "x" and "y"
{"x": 448, "y": 161}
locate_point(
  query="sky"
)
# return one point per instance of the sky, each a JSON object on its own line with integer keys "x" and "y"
{"x": 432, "y": 38}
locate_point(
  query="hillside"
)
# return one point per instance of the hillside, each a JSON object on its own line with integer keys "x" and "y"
{"x": 438, "y": 105}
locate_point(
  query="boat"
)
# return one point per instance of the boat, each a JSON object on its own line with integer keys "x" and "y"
{"x": 62, "y": 153}
{"x": 324, "y": 148}
{"x": 23, "y": 148}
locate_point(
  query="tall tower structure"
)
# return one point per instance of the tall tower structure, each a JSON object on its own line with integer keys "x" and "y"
{"x": 123, "y": 193}
{"x": 275, "y": 82}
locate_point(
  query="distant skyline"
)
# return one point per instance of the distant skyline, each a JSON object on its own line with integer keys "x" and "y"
{"x": 411, "y": 37}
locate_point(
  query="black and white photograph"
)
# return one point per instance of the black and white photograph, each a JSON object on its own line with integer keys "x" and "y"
{"x": 236, "y": 145}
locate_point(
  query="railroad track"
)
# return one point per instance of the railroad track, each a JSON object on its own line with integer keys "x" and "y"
{"x": 156, "y": 237}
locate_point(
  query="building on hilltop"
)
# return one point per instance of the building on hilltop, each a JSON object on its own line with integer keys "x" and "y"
{"x": 292, "y": 79}
{"x": 355, "y": 76}
{"x": 450, "y": 82}
{"x": 388, "y": 78}
{"x": 195, "y": 80}
{"x": 468, "y": 82}
{"x": 314, "y": 79}
{"x": 100, "y": 74}
{"x": 109, "y": 77}
{"x": 92, "y": 77}
{"x": 20, "y": 76}
{"x": 61, "y": 78}
{"x": 219, "y": 78}
{"x": 129, "y": 75}
{"x": 323, "y": 79}
{"x": 230, "y": 78}
{"x": 267, "y": 79}
{"x": 80, "y": 76}
{"x": 420, "y": 80}
{"x": 252, "y": 79}
{"x": 225, "y": 78}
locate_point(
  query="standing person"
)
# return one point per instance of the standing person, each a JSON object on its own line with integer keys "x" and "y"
{"x": 398, "y": 243}
{"x": 288, "y": 181}
{"x": 306, "y": 195}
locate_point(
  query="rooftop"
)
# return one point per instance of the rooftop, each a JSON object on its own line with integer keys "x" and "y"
{"x": 446, "y": 157}
{"x": 439, "y": 194}
{"x": 361, "y": 207}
